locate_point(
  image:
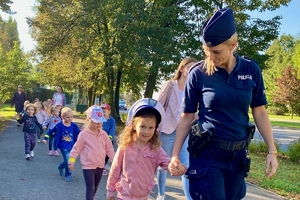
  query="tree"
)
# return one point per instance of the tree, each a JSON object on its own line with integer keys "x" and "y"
{"x": 134, "y": 44}
{"x": 296, "y": 55}
{"x": 15, "y": 70}
{"x": 8, "y": 34}
{"x": 280, "y": 55}
{"x": 5, "y": 6}
{"x": 287, "y": 89}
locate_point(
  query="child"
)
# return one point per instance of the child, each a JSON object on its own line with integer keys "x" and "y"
{"x": 50, "y": 122}
{"x": 41, "y": 116}
{"x": 66, "y": 133}
{"x": 93, "y": 145}
{"x": 59, "y": 106}
{"x": 23, "y": 112}
{"x": 139, "y": 153}
{"x": 47, "y": 108}
{"x": 29, "y": 129}
{"x": 109, "y": 127}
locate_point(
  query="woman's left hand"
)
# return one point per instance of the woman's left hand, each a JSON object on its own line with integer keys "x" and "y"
{"x": 271, "y": 165}
{"x": 176, "y": 168}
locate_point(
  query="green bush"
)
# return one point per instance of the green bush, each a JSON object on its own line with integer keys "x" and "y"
{"x": 259, "y": 146}
{"x": 294, "y": 151}
{"x": 123, "y": 117}
{"x": 277, "y": 110}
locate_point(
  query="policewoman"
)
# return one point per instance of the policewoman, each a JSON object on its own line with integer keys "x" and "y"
{"x": 223, "y": 87}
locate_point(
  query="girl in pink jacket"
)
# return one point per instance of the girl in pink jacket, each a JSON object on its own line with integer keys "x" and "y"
{"x": 93, "y": 144}
{"x": 139, "y": 153}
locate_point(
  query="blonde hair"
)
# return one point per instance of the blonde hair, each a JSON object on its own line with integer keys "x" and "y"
{"x": 37, "y": 103}
{"x": 66, "y": 110}
{"x": 128, "y": 136}
{"x": 31, "y": 105}
{"x": 182, "y": 64}
{"x": 26, "y": 102}
{"x": 46, "y": 104}
{"x": 208, "y": 65}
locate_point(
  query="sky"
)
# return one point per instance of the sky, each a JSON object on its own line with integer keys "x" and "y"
{"x": 290, "y": 23}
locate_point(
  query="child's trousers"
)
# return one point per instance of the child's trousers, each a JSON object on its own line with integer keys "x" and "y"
{"x": 30, "y": 141}
{"x": 92, "y": 179}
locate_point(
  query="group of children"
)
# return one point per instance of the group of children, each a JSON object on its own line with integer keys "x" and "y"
{"x": 138, "y": 156}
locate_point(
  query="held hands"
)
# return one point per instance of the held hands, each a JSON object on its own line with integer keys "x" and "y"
{"x": 271, "y": 162}
{"x": 44, "y": 141}
{"x": 71, "y": 166}
{"x": 176, "y": 168}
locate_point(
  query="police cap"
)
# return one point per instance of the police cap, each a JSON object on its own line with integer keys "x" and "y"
{"x": 219, "y": 28}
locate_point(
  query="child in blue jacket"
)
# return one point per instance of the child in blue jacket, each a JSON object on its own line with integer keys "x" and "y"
{"x": 109, "y": 127}
{"x": 66, "y": 133}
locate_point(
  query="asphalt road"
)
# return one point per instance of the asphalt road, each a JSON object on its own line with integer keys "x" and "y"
{"x": 282, "y": 135}
{"x": 38, "y": 178}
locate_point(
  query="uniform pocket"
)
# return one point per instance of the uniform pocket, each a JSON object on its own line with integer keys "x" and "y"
{"x": 244, "y": 91}
{"x": 196, "y": 173}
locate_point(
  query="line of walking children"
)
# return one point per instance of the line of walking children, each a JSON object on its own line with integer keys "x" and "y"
{"x": 137, "y": 157}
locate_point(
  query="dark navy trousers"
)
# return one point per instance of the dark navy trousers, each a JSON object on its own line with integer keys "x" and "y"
{"x": 217, "y": 174}
{"x": 30, "y": 141}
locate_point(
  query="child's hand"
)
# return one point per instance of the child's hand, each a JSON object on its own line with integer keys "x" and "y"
{"x": 44, "y": 141}
{"x": 44, "y": 127}
{"x": 176, "y": 168}
{"x": 71, "y": 166}
{"x": 110, "y": 198}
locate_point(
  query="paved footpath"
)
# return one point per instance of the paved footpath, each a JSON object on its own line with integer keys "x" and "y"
{"x": 38, "y": 178}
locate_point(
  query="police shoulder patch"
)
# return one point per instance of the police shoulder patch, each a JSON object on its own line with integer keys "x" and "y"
{"x": 198, "y": 64}
{"x": 248, "y": 58}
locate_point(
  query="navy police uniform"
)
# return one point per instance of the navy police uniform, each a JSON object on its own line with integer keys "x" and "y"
{"x": 223, "y": 101}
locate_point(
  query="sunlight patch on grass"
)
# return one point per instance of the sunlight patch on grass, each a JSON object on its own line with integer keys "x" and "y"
{"x": 6, "y": 114}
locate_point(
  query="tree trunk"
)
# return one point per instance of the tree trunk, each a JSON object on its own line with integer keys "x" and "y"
{"x": 117, "y": 95}
{"x": 90, "y": 96}
{"x": 80, "y": 95}
{"x": 151, "y": 81}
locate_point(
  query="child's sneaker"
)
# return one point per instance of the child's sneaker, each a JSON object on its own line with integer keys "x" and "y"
{"x": 104, "y": 173}
{"x": 27, "y": 157}
{"x": 56, "y": 153}
{"x": 60, "y": 170}
{"x": 68, "y": 178}
{"x": 38, "y": 140}
{"x": 162, "y": 197}
{"x": 50, "y": 153}
{"x": 31, "y": 153}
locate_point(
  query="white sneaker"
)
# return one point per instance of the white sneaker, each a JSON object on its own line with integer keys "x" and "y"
{"x": 31, "y": 153}
{"x": 160, "y": 197}
{"x": 27, "y": 157}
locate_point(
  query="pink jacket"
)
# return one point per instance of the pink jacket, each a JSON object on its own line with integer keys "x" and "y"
{"x": 172, "y": 115}
{"x": 92, "y": 149}
{"x": 41, "y": 116}
{"x": 132, "y": 172}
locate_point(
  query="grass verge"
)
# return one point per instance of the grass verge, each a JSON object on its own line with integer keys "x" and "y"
{"x": 282, "y": 121}
{"x": 286, "y": 180}
{"x": 6, "y": 114}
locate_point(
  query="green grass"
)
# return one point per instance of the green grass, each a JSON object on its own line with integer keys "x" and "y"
{"x": 282, "y": 121}
{"x": 285, "y": 117}
{"x": 286, "y": 180}
{"x": 6, "y": 114}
